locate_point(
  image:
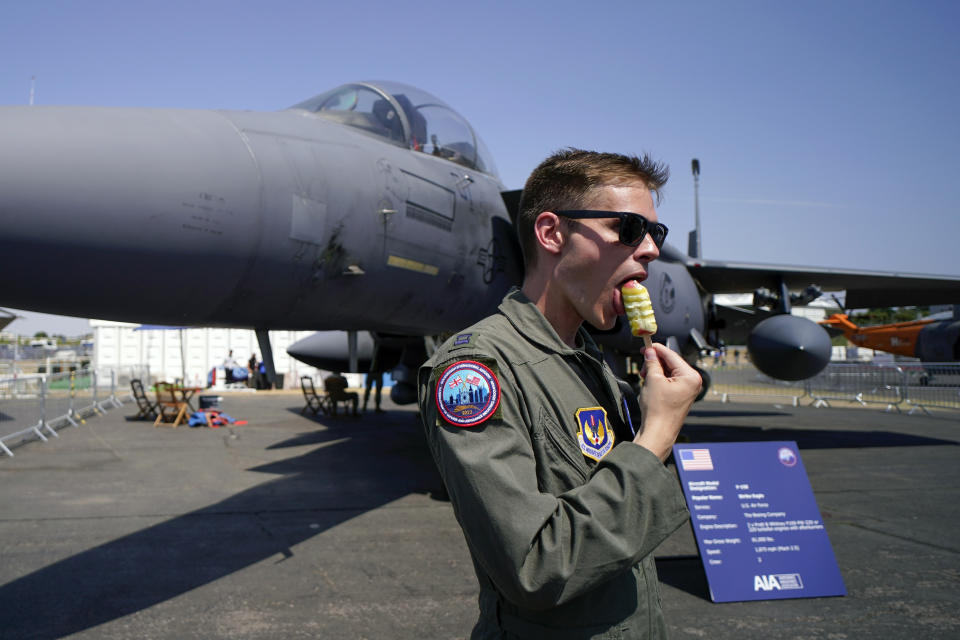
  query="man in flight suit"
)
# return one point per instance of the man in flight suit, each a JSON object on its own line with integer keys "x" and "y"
{"x": 561, "y": 504}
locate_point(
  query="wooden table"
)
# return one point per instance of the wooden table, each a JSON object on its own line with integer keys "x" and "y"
{"x": 186, "y": 393}
{"x": 174, "y": 398}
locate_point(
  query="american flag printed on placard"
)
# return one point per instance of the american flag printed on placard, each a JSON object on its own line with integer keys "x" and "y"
{"x": 696, "y": 460}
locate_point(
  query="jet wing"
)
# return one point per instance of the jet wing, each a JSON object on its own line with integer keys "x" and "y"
{"x": 864, "y": 288}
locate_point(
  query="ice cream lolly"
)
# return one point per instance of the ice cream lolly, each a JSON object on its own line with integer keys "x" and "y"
{"x": 636, "y": 302}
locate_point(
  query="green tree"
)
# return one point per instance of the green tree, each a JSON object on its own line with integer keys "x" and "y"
{"x": 872, "y": 317}
{"x": 840, "y": 341}
{"x": 888, "y": 315}
{"x": 905, "y": 314}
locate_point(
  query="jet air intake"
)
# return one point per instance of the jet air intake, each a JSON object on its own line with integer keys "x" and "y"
{"x": 787, "y": 347}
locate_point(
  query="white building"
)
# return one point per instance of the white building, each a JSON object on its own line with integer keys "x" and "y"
{"x": 174, "y": 353}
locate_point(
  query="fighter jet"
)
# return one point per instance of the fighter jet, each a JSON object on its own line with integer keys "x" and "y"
{"x": 372, "y": 207}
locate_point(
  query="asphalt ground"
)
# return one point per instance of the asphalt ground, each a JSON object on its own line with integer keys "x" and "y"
{"x": 295, "y": 526}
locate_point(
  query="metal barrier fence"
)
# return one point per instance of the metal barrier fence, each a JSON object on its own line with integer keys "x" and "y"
{"x": 919, "y": 386}
{"x": 932, "y": 385}
{"x": 21, "y": 409}
{"x": 35, "y": 406}
{"x": 857, "y": 382}
{"x": 126, "y": 374}
{"x": 747, "y": 381}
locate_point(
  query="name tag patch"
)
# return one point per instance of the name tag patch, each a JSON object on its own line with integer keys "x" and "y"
{"x": 468, "y": 393}
{"x": 594, "y": 434}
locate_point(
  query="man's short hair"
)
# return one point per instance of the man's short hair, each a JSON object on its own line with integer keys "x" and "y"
{"x": 567, "y": 179}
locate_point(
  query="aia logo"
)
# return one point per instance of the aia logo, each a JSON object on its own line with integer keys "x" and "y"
{"x": 777, "y": 582}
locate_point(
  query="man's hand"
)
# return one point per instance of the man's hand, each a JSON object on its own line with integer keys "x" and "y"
{"x": 669, "y": 389}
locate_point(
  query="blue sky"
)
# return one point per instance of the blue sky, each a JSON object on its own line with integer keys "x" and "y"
{"x": 826, "y": 131}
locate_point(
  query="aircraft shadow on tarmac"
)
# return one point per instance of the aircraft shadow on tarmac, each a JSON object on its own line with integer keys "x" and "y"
{"x": 807, "y": 438}
{"x": 361, "y": 468}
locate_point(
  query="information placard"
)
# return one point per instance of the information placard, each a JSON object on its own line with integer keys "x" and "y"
{"x": 756, "y": 521}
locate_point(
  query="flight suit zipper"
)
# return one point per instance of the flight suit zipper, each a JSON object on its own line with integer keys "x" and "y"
{"x": 564, "y": 448}
{"x": 602, "y": 381}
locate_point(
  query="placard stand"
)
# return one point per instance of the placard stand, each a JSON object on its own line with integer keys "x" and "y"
{"x": 756, "y": 521}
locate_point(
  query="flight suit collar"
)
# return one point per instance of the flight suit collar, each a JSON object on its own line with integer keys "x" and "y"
{"x": 529, "y": 322}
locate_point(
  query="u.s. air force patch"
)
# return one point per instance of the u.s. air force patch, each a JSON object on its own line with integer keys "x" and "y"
{"x": 468, "y": 393}
{"x": 594, "y": 435}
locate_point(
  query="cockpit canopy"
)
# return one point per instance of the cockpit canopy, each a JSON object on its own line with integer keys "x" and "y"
{"x": 406, "y": 116}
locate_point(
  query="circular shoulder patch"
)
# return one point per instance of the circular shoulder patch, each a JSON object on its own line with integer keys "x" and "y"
{"x": 467, "y": 393}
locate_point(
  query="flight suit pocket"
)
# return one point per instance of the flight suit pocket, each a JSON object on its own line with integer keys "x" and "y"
{"x": 560, "y": 465}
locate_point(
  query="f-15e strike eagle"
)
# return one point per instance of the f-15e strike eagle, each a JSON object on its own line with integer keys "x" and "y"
{"x": 373, "y": 207}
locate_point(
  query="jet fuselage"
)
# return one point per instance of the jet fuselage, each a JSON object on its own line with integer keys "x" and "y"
{"x": 229, "y": 218}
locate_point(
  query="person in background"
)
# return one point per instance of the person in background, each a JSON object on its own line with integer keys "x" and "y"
{"x": 374, "y": 376}
{"x": 232, "y": 371}
{"x": 252, "y": 371}
{"x": 336, "y": 387}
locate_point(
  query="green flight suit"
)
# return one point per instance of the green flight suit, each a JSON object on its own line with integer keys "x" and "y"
{"x": 562, "y": 544}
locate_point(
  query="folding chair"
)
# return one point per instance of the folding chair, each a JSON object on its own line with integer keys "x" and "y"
{"x": 315, "y": 402}
{"x": 170, "y": 405}
{"x": 144, "y": 404}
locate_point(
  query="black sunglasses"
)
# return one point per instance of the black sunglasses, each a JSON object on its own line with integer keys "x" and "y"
{"x": 633, "y": 226}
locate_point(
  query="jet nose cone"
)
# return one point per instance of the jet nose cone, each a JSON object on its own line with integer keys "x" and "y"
{"x": 329, "y": 350}
{"x": 789, "y": 348}
{"x": 112, "y": 204}
{"x": 90, "y": 169}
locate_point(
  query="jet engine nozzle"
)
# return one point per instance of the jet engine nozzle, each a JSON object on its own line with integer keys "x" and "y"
{"x": 789, "y": 347}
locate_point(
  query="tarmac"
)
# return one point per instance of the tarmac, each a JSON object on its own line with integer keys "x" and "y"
{"x": 295, "y": 526}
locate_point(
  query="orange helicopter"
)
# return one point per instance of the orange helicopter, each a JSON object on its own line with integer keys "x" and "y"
{"x": 899, "y": 338}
